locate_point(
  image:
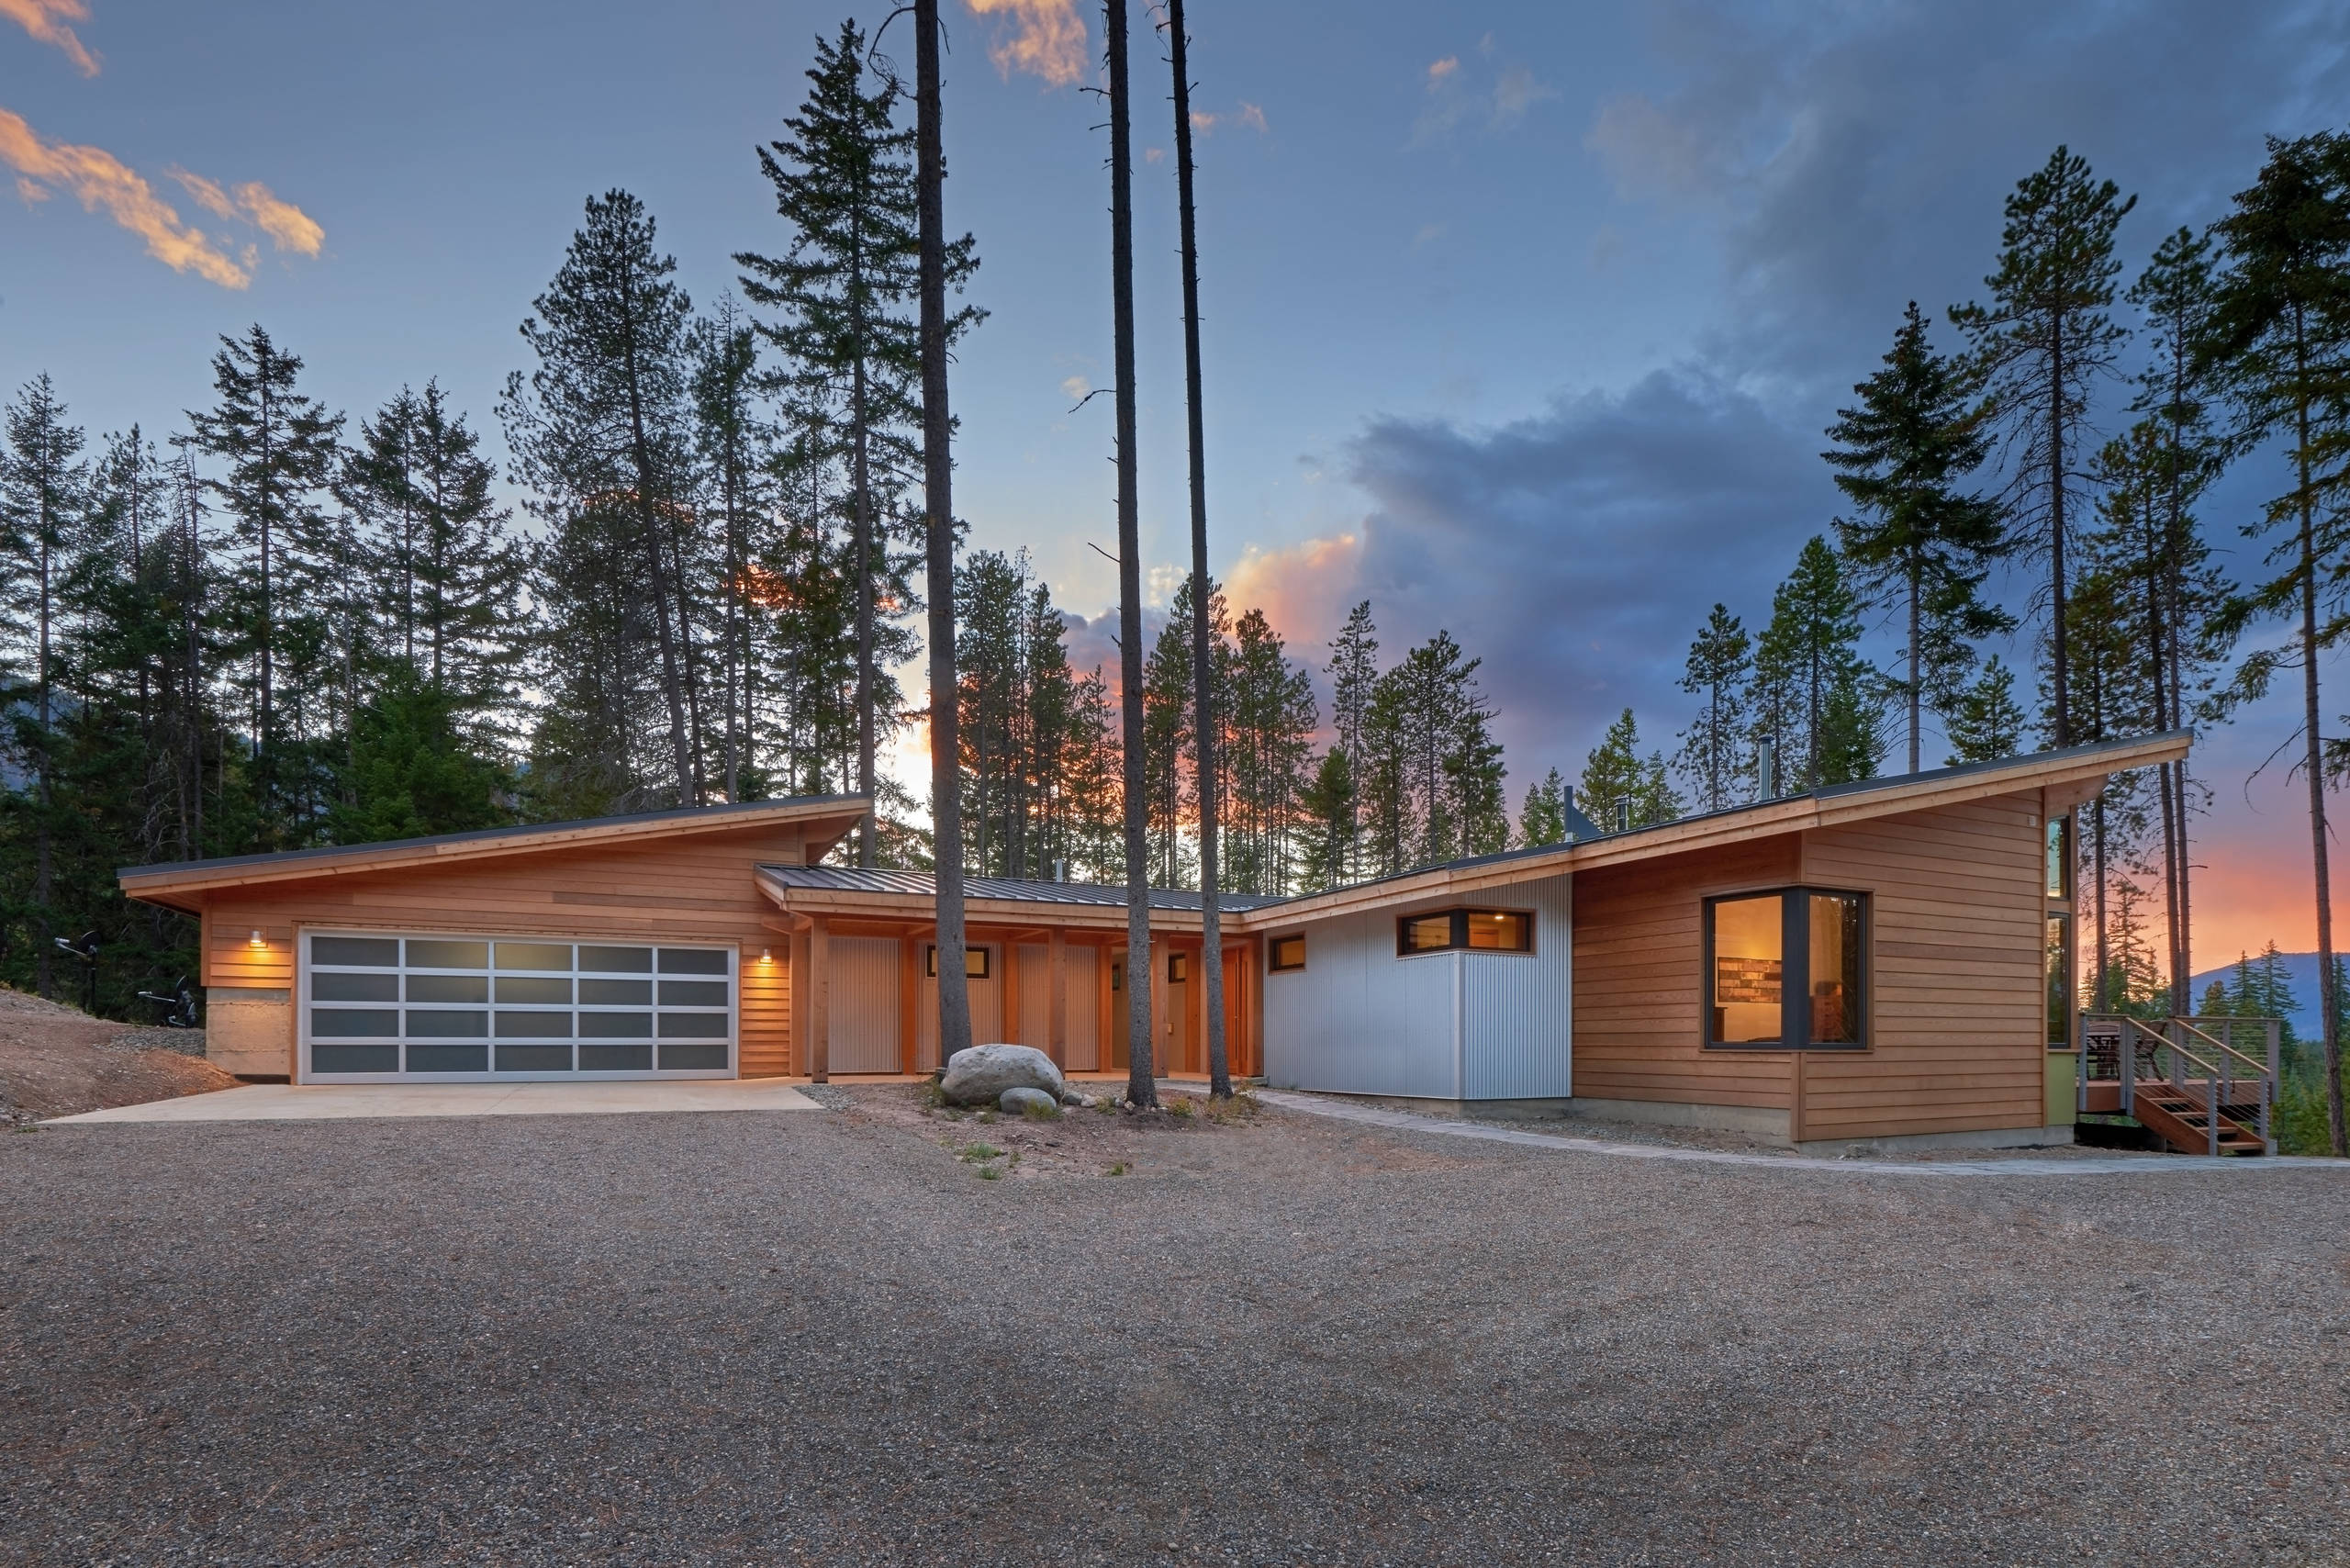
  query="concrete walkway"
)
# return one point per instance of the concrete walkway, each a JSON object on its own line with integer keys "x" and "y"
{"x": 1405, "y": 1121}
{"x": 318, "y": 1102}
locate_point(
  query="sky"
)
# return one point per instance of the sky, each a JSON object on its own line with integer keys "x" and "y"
{"x": 1520, "y": 320}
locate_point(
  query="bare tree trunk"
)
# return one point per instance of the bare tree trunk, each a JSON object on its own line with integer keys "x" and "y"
{"x": 2104, "y": 951}
{"x": 1141, "y": 1084}
{"x": 938, "y": 503}
{"x": 1917, "y": 661}
{"x": 2064, "y": 736}
{"x": 2313, "y": 763}
{"x": 1203, "y": 652}
{"x": 862, "y": 478}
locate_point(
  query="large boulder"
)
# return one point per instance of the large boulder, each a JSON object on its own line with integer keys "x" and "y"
{"x": 980, "y": 1075}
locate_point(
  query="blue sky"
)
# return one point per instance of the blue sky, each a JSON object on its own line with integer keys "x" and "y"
{"x": 1520, "y": 319}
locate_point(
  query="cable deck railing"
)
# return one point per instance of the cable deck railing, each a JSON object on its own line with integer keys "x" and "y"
{"x": 2190, "y": 1059}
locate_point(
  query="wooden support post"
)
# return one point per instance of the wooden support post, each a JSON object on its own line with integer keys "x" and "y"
{"x": 1056, "y": 969}
{"x": 800, "y": 996}
{"x": 1008, "y": 993}
{"x": 820, "y": 981}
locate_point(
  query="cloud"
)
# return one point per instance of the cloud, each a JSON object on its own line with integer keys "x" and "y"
{"x": 1153, "y": 155}
{"x": 45, "y": 20}
{"x": 287, "y": 226}
{"x": 1252, "y": 115}
{"x": 1488, "y": 90}
{"x": 1045, "y": 38}
{"x": 99, "y": 179}
{"x": 1559, "y": 548}
{"x": 1075, "y": 388}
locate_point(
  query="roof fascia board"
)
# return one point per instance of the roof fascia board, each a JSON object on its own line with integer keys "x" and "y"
{"x": 991, "y": 911}
{"x": 196, "y": 878}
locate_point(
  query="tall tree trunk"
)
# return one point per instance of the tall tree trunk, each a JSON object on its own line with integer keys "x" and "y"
{"x": 2104, "y": 949}
{"x": 1142, "y": 1088}
{"x": 938, "y": 477}
{"x": 1202, "y": 651}
{"x": 861, "y": 476}
{"x": 44, "y": 853}
{"x": 648, "y": 523}
{"x": 1917, "y": 618}
{"x": 2057, "y": 685}
{"x": 2313, "y": 763}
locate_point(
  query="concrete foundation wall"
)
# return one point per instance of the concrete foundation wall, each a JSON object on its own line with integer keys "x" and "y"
{"x": 249, "y": 1032}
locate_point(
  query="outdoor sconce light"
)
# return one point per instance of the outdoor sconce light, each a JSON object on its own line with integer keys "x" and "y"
{"x": 255, "y": 941}
{"x": 767, "y": 954}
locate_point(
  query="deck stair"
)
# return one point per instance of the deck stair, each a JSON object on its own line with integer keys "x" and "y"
{"x": 2185, "y": 1080}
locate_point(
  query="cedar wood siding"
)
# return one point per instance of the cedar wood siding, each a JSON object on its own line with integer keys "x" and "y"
{"x": 690, "y": 889}
{"x": 1637, "y": 961}
{"x": 1955, "y": 1014}
{"x": 1954, "y": 945}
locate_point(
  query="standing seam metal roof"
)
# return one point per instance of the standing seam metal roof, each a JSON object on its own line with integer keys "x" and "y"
{"x": 858, "y": 879}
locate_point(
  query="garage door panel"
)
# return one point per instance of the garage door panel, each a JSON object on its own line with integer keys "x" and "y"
{"x": 493, "y": 1006}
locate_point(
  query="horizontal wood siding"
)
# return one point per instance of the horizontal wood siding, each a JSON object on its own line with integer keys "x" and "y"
{"x": 1637, "y": 961}
{"x": 697, "y": 889}
{"x": 1955, "y": 1012}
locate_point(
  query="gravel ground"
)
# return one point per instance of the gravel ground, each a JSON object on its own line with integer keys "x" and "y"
{"x": 746, "y": 1338}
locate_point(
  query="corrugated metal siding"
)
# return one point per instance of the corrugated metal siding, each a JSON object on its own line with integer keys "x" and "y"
{"x": 862, "y": 982}
{"x": 1084, "y": 1013}
{"x": 1036, "y": 961}
{"x": 1517, "y": 1011}
{"x": 1358, "y": 1020}
{"x": 987, "y": 1010}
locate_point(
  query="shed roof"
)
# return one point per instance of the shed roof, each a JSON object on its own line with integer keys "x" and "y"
{"x": 853, "y": 879}
{"x": 175, "y": 882}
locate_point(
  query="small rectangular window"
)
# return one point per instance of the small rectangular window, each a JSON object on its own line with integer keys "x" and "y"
{"x": 2060, "y": 856}
{"x": 974, "y": 962}
{"x": 1178, "y": 968}
{"x": 1285, "y": 954}
{"x": 1477, "y": 930}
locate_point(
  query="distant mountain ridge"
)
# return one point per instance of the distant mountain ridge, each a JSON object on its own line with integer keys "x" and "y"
{"x": 2301, "y": 972}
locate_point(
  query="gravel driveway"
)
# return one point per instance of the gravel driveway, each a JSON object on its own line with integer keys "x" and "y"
{"x": 730, "y": 1338}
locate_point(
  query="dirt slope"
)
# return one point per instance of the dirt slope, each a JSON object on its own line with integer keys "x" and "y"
{"x": 56, "y": 1061}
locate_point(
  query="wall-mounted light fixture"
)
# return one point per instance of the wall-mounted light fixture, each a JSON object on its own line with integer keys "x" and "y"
{"x": 255, "y": 940}
{"x": 767, "y": 954}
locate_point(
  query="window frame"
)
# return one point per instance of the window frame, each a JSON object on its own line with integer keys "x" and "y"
{"x": 1457, "y": 939}
{"x": 1178, "y": 968}
{"x": 1795, "y": 970}
{"x": 982, "y": 952}
{"x": 1273, "y": 946}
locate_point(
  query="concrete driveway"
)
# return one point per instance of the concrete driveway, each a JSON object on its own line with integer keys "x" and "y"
{"x": 326, "y": 1101}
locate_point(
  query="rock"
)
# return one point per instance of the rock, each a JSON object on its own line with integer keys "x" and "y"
{"x": 1028, "y": 1102}
{"x": 1074, "y": 1100}
{"x": 980, "y": 1075}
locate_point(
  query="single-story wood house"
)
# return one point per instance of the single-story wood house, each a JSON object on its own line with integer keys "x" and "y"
{"x": 1879, "y": 961}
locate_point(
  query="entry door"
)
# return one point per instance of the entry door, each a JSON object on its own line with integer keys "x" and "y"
{"x": 1173, "y": 1015}
{"x": 1119, "y": 1058}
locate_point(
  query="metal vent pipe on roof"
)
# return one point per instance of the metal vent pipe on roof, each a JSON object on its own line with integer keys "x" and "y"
{"x": 1766, "y": 768}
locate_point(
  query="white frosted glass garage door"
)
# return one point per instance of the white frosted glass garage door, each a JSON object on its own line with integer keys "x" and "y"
{"x": 377, "y": 1007}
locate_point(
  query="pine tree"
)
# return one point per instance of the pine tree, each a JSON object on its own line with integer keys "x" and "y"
{"x": 845, "y": 184}
{"x": 1807, "y": 658}
{"x": 1542, "y": 820}
{"x": 2280, "y": 331}
{"x": 735, "y": 444}
{"x": 1986, "y": 722}
{"x": 279, "y": 447}
{"x": 1434, "y": 769}
{"x": 43, "y": 485}
{"x": 1713, "y": 755}
{"x": 600, "y": 432}
{"x": 1266, "y": 755}
{"x": 1915, "y": 543}
{"x": 1621, "y": 789}
{"x": 2178, "y": 295}
{"x": 1328, "y": 805}
{"x": 1353, "y": 670}
{"x": 2040, "y": 350}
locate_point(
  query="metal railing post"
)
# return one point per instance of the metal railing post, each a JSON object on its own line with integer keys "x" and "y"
{"x": 2126, "y": 1063}
{"x": 2080, "y": 1065}
{"x": 2211, "y": 1111}
{"x": 2268, "y": 1090}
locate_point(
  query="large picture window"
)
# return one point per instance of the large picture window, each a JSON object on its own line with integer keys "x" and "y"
{"x": 1787, "y": 970}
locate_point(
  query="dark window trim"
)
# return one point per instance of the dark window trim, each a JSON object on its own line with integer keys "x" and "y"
{"x": 930, "y": 962}
{"x": 1794, "y": 972}
{"x": 1273, "y": 946}
{"x": 1178, "y": 968}
{"x": 1457, "y": 939}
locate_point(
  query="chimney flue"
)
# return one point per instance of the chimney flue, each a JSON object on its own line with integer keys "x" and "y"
{"x": 1766, "y": 768}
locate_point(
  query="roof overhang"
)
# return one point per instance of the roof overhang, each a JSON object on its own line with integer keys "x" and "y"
{"x": 859, "y": 903}
{"x": 185, "y": 885}
{"x": 2072, "y": 775}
